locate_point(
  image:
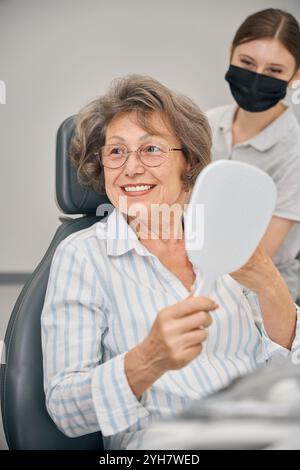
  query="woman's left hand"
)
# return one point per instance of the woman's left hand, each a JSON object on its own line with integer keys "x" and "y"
{"x": 259, "y": 273}
{"x": 261, "y": 276}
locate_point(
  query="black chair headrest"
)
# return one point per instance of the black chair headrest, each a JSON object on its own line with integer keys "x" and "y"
{"x": 71, "y": 197}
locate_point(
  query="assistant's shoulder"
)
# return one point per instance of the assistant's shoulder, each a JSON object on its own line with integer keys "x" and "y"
{"x": 294, "y": 132}
{"x": 215, "y": 114}
{"x": 287, "y": 150}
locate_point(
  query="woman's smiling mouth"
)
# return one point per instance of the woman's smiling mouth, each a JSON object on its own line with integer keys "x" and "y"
{"x": 137, "y": 189}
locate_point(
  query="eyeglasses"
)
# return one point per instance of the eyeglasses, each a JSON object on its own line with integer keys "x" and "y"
{"x": 115, "y": 155}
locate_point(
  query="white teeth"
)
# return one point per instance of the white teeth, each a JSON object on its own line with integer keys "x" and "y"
{"x": 136, "y": 188}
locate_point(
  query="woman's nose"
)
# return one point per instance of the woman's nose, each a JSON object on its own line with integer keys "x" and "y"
{"x": 260, "y": 69}
{"x": 133, "y": 163}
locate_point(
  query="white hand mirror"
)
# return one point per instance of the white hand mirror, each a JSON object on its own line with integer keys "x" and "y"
{"x": 229, "y": 211}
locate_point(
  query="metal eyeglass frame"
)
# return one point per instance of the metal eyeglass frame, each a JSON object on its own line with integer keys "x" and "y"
{"x": 128, "y": 152}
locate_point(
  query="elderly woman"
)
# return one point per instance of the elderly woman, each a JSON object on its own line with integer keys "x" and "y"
{"x": 124, "y": 340}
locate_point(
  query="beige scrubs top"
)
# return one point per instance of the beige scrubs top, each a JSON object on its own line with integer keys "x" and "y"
{"x": 276, "y": 150}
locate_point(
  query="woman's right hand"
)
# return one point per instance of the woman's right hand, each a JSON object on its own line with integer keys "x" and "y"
{"x": 177, "y": 334}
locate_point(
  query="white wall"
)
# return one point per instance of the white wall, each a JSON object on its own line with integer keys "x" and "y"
{"x": 55, "y": 55}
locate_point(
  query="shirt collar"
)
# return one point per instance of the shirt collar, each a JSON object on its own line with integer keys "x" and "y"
{"x": 269, "y": 136}
{"x": 120, "y": 237}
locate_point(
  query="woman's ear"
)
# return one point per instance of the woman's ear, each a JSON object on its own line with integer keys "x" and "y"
{"x": 186, "y": 185}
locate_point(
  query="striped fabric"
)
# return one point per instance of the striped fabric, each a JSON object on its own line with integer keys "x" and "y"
{"x": 104, "y": 291}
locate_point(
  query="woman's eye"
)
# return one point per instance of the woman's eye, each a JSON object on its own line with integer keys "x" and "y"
{"x": 246, "y": 62}
{"x": 275, "y": 70}
{"x": 153, "y": 149}
{"x": 116, "y": 151}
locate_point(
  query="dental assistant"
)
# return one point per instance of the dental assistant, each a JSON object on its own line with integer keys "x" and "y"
{"x": 261, "y": 129}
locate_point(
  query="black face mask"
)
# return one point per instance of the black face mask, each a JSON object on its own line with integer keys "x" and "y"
{"x": 253, "y": 91}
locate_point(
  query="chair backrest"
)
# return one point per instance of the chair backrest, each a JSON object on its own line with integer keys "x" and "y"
{"x": 27, "y": 424}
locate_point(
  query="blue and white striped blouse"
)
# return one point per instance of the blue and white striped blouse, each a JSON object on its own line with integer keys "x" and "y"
{"x": 103, "y": 294}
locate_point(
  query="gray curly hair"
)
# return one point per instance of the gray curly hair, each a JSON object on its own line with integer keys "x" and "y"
{"x": 143, "y": 95}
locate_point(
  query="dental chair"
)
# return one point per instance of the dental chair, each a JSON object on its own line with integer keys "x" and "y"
{"x": 27, "y": 424}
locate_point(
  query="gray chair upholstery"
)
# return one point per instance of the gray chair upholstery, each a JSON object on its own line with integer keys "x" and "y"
{"x": 27, "y": 424}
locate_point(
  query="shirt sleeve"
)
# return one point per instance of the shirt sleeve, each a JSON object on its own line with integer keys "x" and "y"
{"x": 84, "y": 394}
{"x": 271, "y": 349}
{"x": 287, "y": 180}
